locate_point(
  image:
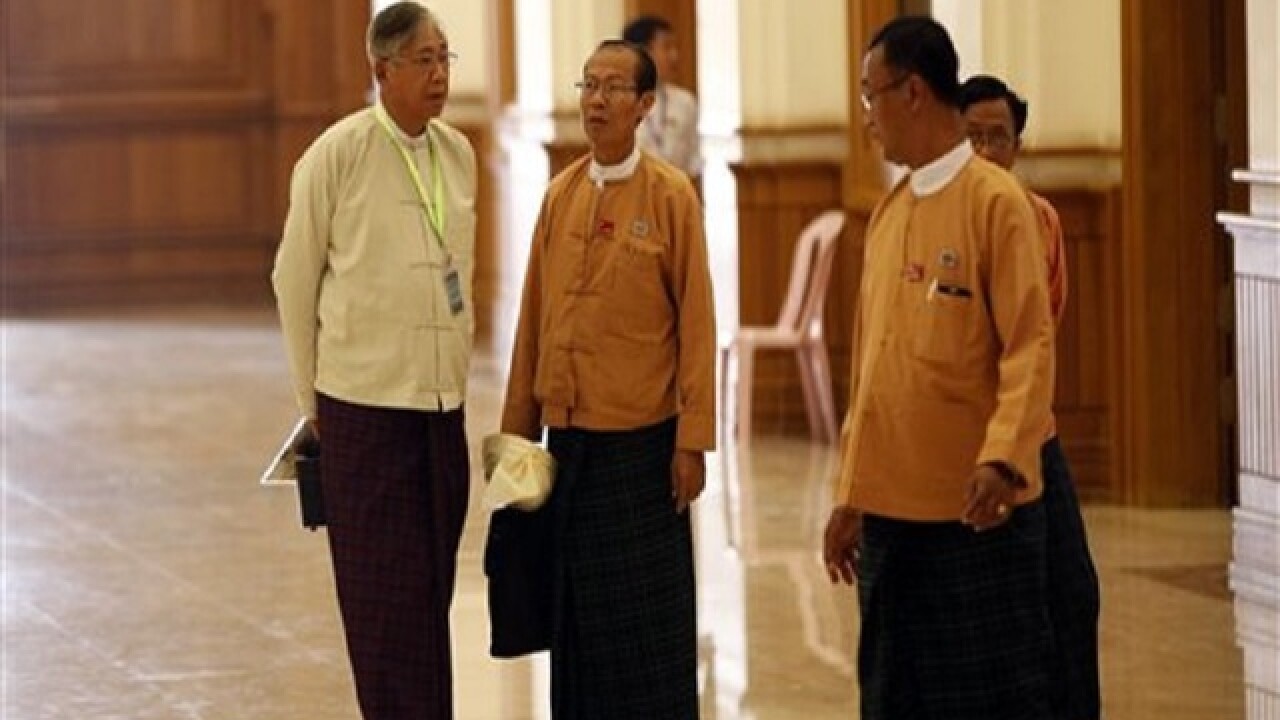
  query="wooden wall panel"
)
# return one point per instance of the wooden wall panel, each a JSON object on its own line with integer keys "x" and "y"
{"x": 147, "y": 143}
{"x": 775, "y": 202}
{"x": 1086, "y": 396}
{"x": 319, "y": 73}
{"x": 60, "y": 47}
{"x": 181, "y": 180}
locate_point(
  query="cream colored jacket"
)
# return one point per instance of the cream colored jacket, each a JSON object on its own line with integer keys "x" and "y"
{"x": 360, "y": 273}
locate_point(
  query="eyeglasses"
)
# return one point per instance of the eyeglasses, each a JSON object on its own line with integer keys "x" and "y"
{"x": 869, "y": 95}
{"x": 608, "y": 91}
{"x": 428, "y": 61}
{"x": 996, "y": 139}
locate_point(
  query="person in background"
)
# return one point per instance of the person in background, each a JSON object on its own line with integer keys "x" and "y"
{"x": 373, "y": 285}
{"x": 670, "y": 130}
{"x": 615, "y": 354}
{"x": 937, "y": 512}
{"x": 996, "y": 117}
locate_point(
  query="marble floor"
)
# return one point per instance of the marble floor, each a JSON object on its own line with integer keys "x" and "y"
{"x": 148, "y": 576}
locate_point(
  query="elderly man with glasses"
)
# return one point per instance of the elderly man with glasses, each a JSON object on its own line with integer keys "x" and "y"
{"x": 614, "y": 354}
{"x": 373, "y": 283}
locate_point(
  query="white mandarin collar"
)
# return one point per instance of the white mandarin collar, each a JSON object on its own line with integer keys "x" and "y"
{"x": 418, "y": 142}
{"x": 601, "y": 174}
{"x": 932, "y": 178}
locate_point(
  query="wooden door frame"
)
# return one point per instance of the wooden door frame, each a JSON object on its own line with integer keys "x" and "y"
{"x": 1170, "y": 434}
{"x": 4, "y": 158}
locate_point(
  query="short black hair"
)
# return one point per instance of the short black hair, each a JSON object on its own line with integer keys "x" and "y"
{"x": 920, "y": 45}
{"x": 646, "y": 79}
{"x": 645, "y": 28}
{"x": 981, "y": 88}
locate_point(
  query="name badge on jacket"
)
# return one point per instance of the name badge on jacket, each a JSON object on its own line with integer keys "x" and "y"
{"x": 453, "y": 288}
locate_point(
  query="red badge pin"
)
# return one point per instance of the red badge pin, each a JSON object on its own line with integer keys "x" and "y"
{"x": 913, "y": 272}
{"x": 605, "y": 227}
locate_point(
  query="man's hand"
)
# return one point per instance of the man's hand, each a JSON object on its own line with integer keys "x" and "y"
{"x": 988, "y": 499}
{"x": 842, "y": 544}
{"x": 688, "y": 477}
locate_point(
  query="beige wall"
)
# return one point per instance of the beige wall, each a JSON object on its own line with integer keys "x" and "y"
{"x": 577, "y": 26}
{"x": 793, "y": 64}
{"x": 464, "y": 22}
{"x": 1063, "y": 57}
{"x": 720, "y": 103}
{"x": 1264, "y": 101}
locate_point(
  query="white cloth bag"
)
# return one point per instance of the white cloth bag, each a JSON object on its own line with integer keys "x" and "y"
{"x": 519, "y": 472}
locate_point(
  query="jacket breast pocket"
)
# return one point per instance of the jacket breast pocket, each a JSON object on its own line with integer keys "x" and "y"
{"x": 943, "y": 332}
{"x": 637, "y": 267}
{"x": 638, "y": 296}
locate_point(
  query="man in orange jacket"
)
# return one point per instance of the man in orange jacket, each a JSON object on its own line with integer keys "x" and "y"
{"x": 937, "y": 508}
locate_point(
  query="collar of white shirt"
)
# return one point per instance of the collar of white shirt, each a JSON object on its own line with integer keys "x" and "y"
{"x": 931, "y": 178}
{"x": 601, "y": 174}
{"x": 412, "y": 142}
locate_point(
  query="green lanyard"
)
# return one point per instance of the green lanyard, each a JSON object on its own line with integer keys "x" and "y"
{"x": 434, "y": 208}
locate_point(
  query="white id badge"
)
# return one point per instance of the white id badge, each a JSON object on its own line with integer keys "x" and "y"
{"x": 453, "y": 287}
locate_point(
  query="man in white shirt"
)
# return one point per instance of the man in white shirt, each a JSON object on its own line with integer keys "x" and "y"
{"x": 373, "y": 286}
{"x": 670, "y": 130}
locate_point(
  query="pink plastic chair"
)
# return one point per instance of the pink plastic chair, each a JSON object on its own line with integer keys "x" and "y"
{"x": 799, "y": 328}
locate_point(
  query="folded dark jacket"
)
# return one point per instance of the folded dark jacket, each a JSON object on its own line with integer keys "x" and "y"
{"x": 519, "y": 563}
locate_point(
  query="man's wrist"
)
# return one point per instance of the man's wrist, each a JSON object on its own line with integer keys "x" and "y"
{"x": 1007, "y": 473}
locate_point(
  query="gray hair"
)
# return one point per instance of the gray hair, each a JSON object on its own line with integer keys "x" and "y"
{"x": 394, "y": 26}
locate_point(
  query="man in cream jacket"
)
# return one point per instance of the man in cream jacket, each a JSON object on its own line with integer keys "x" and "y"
{"x": 373, "y": 282}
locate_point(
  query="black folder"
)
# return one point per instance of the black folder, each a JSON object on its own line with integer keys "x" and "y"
{"x": 310, "y": 492}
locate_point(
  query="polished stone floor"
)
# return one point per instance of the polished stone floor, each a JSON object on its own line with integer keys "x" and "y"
{"x": 148, "y": 576}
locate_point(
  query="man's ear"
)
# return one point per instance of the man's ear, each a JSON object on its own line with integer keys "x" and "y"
{"x": 380, "y": 70}
{"x": 646, "y": 104}
{"x": 916, "y": 89}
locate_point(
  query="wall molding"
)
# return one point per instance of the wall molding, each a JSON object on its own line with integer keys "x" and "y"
{"x": 1257, "y": 246}
{"x": 467, "y": 109}
{"x": 1251, "y": 176}
{"x": 799, "y": 144}
{"x": 1070, "y": 167}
